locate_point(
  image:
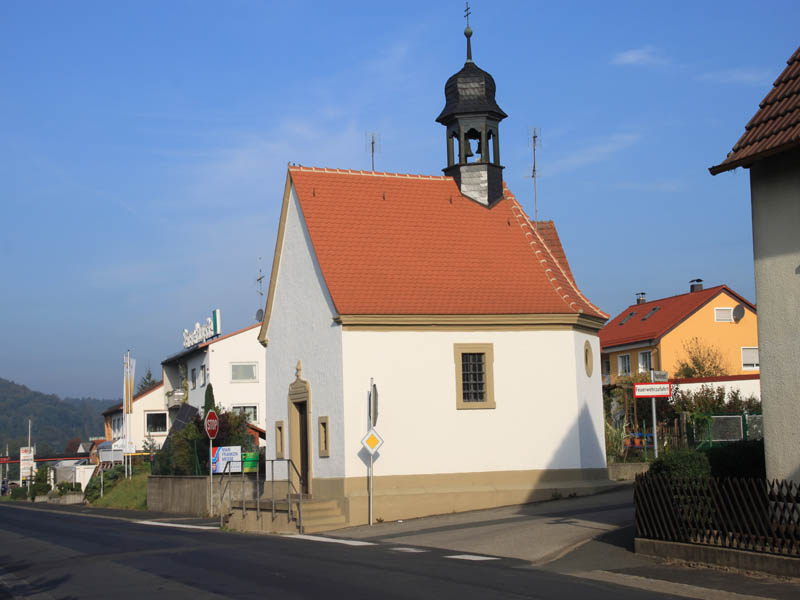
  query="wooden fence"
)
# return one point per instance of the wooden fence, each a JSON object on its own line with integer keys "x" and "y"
{"x": 745, "y": 514}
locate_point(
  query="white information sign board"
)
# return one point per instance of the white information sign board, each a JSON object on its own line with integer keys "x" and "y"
{"x": 27, "y": 466}
{"x": 652, "y": 390}
{"x": 222, "y": 455}
{"x": 660, "y": 376}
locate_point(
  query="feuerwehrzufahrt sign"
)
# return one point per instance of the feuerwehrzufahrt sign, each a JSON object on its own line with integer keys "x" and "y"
{"x": 652, "y": 390}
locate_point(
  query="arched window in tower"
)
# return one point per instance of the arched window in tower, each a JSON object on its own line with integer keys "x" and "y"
{"x": 473, "y": 141}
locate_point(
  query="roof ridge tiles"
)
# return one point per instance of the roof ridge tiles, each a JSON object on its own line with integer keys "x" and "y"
{"x": 367, "y": 173}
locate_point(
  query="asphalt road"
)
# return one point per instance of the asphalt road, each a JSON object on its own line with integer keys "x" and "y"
{"x": 62, "y": 555}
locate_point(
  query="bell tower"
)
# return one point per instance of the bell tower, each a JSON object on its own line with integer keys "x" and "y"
{"x": 472, "y": 120}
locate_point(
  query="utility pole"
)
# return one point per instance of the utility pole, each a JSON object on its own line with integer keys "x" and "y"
{"x": 30, "y": 471}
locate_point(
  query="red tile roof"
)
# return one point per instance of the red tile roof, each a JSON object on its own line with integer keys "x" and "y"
{"x": 671, "y": 312}
{"x": 775, "y": 127}
{"x": 391, "y": 244}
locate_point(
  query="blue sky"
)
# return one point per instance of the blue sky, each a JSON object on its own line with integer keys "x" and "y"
{"x": 144, "y": 147}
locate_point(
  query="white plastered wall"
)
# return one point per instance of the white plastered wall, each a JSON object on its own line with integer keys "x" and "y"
{"x": 150, "y": 402}
{"x": 775, "y": 191}
{"x": 548, "y": 413}
{"x": 243, "y": 347}
{"x": 301, "y": 327}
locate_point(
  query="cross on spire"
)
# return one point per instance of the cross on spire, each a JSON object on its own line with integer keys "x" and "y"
{"x": 468, "y": 33}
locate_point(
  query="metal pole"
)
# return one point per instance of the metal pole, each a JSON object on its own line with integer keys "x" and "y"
{"x": 644, "y": 439}
{"x": 211, "y": 477}
{"x": 655, "y": 428}
{"x": 101, "y": 480}
{"x": 370, "y": 489}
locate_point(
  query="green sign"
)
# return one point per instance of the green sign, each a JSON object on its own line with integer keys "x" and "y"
{"x": 250, "y": 461}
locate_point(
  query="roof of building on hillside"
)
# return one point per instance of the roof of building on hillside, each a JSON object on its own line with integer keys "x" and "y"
{"x": 199, "y": 346}
{"x": 391, "y": 244}
{"x": 118, "y": 407}
{"x": 775, "y": 127}
{"x": 651, "y": 320}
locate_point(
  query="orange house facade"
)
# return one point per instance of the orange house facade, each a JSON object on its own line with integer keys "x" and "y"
{"x": 653, "y": 335}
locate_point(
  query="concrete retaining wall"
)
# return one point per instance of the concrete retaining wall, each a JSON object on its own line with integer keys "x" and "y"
{"x": 189, "y": 495}
{"x": 626, "y": 471}
{"x": 773, "y": 564}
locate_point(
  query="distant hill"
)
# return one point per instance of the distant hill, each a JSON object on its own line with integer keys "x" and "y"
{"x": 55, "y": 421}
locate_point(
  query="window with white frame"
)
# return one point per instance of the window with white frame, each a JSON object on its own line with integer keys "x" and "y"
{"x": 244, "y": 372}
{"x": 250, "y": 411}
{"x": 156, "y": 422}
{"x": 723, "y": 315}
{"x": 606, "y": 366}
{"x": 194, "y": 379}
{"x": 750, "y": 359}
{"x": 645, "y": 361}
{"x": 624, "y": 365}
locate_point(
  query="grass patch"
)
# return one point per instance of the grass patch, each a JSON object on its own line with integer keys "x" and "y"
{"x": 126, "y": 493}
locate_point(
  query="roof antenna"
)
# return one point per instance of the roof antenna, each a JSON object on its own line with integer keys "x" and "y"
{"x": 373, "y": 145}
{"x": 260, "y": 290}
{"x": 534, "y": 133}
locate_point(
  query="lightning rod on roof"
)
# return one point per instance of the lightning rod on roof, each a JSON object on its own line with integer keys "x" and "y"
{"x": 372, "y": 144}
{"x": 534, "y": 133}
{"x": 260, "y": 289}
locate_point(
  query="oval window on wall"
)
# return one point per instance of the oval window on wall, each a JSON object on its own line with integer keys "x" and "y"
{"x": 588, "y": 358}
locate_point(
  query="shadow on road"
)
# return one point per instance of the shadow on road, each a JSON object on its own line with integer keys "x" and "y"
{"x": 23, "y": 588}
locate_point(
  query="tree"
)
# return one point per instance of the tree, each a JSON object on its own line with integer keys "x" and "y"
{"x": 72, "y": 445}
{"x": 209, "y": 399}
{"x": 700, "y": 360}
{"x": 147, "y": 382}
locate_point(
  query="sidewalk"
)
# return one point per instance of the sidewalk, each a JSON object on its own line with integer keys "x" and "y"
{"x": 589, "y": 537}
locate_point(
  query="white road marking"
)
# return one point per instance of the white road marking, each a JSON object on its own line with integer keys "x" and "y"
{"x": 666, "y": 587}
{"x": 319, "y": 538}
{"x": 471, "y": 557}
{"x": 403, "y": 549}
{"x": 176, "y": 525}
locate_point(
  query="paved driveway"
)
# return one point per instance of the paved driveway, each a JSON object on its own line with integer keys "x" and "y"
{"x": 537, "y": 533}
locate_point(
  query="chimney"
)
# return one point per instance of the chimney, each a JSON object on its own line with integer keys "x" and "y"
{"x": 641, "y": 298}
{"x": 696, "y": 285}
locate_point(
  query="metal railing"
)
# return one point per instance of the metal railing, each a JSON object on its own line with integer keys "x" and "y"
{"x": 225, "y": 487}
{"x": 290, "y": 466}
{"x": 745, "y": 514}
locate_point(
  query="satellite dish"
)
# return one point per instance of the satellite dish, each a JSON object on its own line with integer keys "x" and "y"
{"x": 260, "y": 314}
{"x": 738, "y": 312}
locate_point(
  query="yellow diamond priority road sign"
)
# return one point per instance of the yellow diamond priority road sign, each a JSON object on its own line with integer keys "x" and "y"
{"x": 372, "y": 441}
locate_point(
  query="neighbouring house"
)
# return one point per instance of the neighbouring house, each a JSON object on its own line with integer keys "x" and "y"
{"x": 462, "y": 312}
{"x": 235, "y": 366}
{"x": 150, "y": 419}
{"x": 770, "y": 148}
{"x": 653, "y": 334}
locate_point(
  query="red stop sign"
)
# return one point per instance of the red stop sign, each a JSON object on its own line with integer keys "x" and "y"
{"x": 212, "y": 424}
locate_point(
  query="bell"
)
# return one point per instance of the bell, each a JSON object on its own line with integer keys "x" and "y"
{"x": 468, "y": 151}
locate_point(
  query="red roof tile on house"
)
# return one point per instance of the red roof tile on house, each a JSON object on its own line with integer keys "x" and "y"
{"x": 390, "y": 244}
{"x": 634, "y": 325}
{"x": 775, "y": 127}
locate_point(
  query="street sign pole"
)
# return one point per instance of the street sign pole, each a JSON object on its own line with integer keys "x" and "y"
{"x": 212, "y": 428}
{"x": 655, "y": 427}
{"x": 369, "y": 418}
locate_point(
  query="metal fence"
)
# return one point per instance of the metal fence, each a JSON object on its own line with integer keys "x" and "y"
{"x": 728, "y": 428}
{"x": 744, "y": 514}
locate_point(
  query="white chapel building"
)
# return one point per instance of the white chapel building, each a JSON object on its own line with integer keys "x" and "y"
{"x": 463, "y": 312}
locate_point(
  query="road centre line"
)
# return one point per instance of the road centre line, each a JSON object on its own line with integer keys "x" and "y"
{"x": 663, "y": 586}
{"x": 405, "y": 549}
{"x": 319, "y": 538}
{"x": 471, "y": 557}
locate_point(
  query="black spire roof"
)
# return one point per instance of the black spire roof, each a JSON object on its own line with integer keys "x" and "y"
{"x": 471, "y": 90}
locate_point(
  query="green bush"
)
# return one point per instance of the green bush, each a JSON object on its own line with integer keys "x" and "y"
{"x": 19, "y": 493}
{"x": 67, "y": 486}
{"x": 739, "y": 459}
{"x": 682, "y": 463}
